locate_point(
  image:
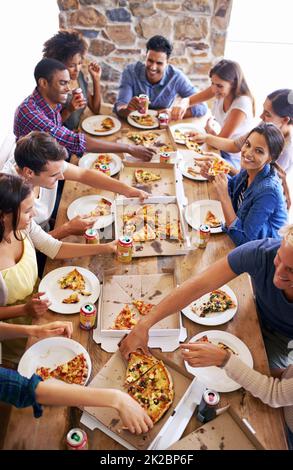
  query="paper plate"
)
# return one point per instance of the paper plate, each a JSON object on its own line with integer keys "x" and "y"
{"x": 188, "y": 127}
{"x": 86, "y": 204}
{"x": 187, "y": 161}
{"x": 214, "y": 377}
{"x": 89, "y": 159}
{"x": 50, "y": 285}
{"x": 51, "y": 352}
{"x": 214, "y": 318}
{"x": 140, "y": 126}
{"x": 93, "y": 123}
{"x": 195, "y": 213}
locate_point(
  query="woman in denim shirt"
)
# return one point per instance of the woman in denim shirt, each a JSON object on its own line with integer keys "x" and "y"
{"x": 253, "y": 202}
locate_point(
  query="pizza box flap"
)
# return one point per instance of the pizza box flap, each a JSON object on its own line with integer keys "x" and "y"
{"x": 112, "y": 375}
{"x": 117, "y": 291}
{"x": 168, "y": 208}
{"x": 226, "y": 432}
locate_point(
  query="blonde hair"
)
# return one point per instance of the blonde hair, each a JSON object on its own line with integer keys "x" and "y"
{"x": 287, "y": 233}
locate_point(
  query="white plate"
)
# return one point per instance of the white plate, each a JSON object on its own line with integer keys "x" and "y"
{"x": 50, "y": 285}
{"x": 196, "y": 211}
{"x": 184, "y": 128}
{"x": 94, "y": 122}
{"x": 152, "y": 112}
{"x": 186, "y": 162}
{"x": 215, "y": 318}
{"x": 86, "y": 204}
{"x": 214, "y": 377}
{"x": 51, "y": 352}
{"x": 89, "y": 159}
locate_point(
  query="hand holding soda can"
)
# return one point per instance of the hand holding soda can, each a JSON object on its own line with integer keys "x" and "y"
{"x": 143, "y": 104}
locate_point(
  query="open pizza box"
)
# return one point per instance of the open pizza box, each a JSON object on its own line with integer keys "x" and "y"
{"x": 161, "y": 140}
{"x": 226, "y": 432}
{"x": 170, "y": 184}
{"x": 117, "y": 291}
{"x": 169, "y": 211}
{"x": 167, "y": 430}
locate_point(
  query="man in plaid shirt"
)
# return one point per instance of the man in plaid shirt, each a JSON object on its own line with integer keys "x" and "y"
{"x": 41, "y": 112}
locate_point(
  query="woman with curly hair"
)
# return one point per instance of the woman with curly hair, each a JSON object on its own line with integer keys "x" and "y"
{"x": 69, "y": 47}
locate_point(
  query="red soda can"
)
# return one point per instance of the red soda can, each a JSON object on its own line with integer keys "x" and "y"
{"x": 207, "y": 408}
{"x": 105, "y": 169}
{"x": 87, "y": 316}
{"x": 202, "y": 236}
{"x": 76, "y": 439}
{"x": 91, "y": 236}
{"x": 163, "y": 120}
{"x": 124, "y": 249}
{"x": 78, "y": 91}
{"x": 143, "y": 103}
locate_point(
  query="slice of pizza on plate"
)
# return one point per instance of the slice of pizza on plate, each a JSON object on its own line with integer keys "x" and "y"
{"x": 73, "y": 280}
{"x": 146, "y": 176}
{"x": 212, "y": 220}
{"x": 220, "y": 344}
{"x": 72, "y": 299}
{"x": 219, "y": 301}
{"x": 191, "y": 145}
{"x": 74, "y": 371}
{"x": 144, "y": 120}
{"x": 103, "y": 208}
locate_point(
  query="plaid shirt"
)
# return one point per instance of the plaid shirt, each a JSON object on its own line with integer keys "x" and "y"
{"x": 35, "y": 114}
{"x": 19, "y": 391}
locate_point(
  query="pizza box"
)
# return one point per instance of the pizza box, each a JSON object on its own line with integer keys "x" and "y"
{"x": 168, "y": 206}
{"x": 164, "y": 137}
{"x": 170, "y": 184}
{"x": 226, "y": 432}
{"x": 188, "y": 392}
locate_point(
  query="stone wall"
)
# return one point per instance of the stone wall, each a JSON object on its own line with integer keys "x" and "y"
{"x": 117, "y": 30}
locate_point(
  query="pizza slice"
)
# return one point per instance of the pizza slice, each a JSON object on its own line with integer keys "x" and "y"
{"x": 143, "y": 307}
{"x": 146, "y": 233}
{"x": 219, "y": 166}
{"x": 72, "y": 299}
{"x": 138, "y": 365}
{"x": 145, "y": 176}
{"x": 135, "y": 137}
{"x": 174, "y": 230}
{"x": 125, "y": 320}
{"x": 102, "y": 160}
{"x": 74, "y": 371}
{"x": 102, "y": 208}
{"x": 212, "y": 220}
{"x": 73, "y": 280}
{"x": 219, "y": 301}
{"x": 43, "y": 372}
{"x": 150, "y": 138}
{"x": 144, "y": 120}
{"x": 148, "y": 213}
{"x": 220, "y": 344}
{"x": 193, "y": 146}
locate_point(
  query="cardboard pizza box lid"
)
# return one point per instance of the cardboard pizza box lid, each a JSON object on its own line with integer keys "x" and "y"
{"x": 106, "y": 419}
{"x": 226, "y": 432}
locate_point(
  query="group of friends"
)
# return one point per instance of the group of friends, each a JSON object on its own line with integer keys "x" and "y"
{"x": 254, "y": 198}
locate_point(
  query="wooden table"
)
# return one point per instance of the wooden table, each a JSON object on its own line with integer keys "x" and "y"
{"x": 25, "y": 432}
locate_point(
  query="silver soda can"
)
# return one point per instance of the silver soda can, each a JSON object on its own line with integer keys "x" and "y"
{"x": 206, "y": 410}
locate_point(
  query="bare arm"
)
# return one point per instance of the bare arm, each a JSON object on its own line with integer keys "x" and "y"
{"x": 94, "y": 100}
{"x": 204, "y": 95}
{"x": 57, "y": 328}
{"x": 213, "y": 277}
{"x": 137, "y": 151}
{"x": 73, "y": 250}
{"x": 131, "y": 413}
{"x": 233, "y": 121}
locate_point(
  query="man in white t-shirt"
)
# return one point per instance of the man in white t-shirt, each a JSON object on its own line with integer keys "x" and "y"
{"x": 40, "y": 159}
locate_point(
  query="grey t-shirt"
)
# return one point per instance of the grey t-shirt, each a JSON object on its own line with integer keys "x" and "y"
{"x": 257, "y": 259}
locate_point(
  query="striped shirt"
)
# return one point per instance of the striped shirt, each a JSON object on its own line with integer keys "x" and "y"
{"x": 19, "y": 391}
{"x": 35, "y": 114}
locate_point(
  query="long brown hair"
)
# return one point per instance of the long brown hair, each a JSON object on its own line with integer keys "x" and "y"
{"x": 231, "y": 72}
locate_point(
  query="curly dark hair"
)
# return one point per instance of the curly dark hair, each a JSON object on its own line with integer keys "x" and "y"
{"x": 64, "y": 45}
{"x": 13, "y": 190}
{"x": 159, "y": 44}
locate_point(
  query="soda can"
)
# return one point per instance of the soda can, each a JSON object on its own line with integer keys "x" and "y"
{"x": 78, "y": 91}
{"x": 206, "y": 410}
{"x": 124, "y": 249}
{"x": 76, "y": 439}
{"x": 91, "y": 236}
{"x": 202, "y": 236}
{"x": 143, "y": 103}
{"x": 164, "y": 157}
{"x": 87, "y": 316}
{"x": 105, "y": 169}
{"x": 163, "y": 120}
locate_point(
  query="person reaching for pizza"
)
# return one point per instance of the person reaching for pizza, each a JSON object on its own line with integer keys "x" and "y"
{"x": 269, "y": 262}
{"x": 23, "y": 392}
{"x": 253, "y": 202}
{"x": 20, "y": 236}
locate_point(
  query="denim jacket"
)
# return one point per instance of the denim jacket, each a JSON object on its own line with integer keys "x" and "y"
{"x": 263, "y": 209}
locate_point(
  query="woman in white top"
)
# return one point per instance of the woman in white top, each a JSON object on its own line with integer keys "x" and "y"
{"x": 233, "y": 107}
{"x": 19, "y": 237}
